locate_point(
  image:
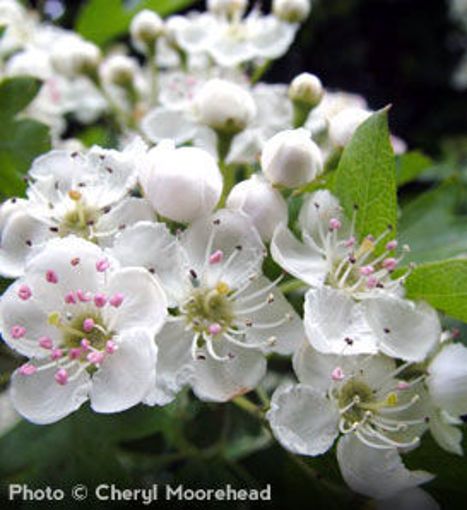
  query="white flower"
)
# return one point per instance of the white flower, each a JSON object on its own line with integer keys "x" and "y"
{"x": 343, "y": 125}
{"x": 224, "y": 106}
{"x": 181, "y": 184}
{"x": 8, "y": 416}
{"x": 408, "y": 499}
{"x": 306, "y": 89}
{"x": 261, "y": 202}
{"x": 355, "y": 307}
{"x": 72, "y": 56}
{"x": 290, "y": 158}
{"x": 88, "y": 328}
{"x": 225, "y": 316}
{"x": 145, "y": 28}
{"x": 227, "y": 7}
{"x": 366, "y": 400}
{"x": 81, "y": 194}
{"x": 292, "y": 11}
{"x": 119, "y": 70}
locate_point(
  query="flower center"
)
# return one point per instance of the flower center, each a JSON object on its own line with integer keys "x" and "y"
{"x": 79, "y": 220}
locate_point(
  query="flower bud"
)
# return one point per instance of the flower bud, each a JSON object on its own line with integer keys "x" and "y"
{"x": 343, "y": 125}
{"x": 306, "y": 89}
{"x": 261, "y": 202}
{"x": 146, "y": 27}
{"x": 182, "y": 184}
{"x": 73, "y": 56}
{"x": 225, "y": 107}
{"x": 291, "y": 158}
{"x": 227, "y": 7}
{"x": 292, "y": 11}
{"x": 119, "y": 70}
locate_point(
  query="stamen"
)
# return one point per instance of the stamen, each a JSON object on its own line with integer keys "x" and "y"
{"x": 255, "y": 308}
{"x": 24, "y": 292}
{"x": 45, "y": 342}
{"x": 334, "y": 224}
{"x": 287, "y": 318}
{"x": 70, "y": 298}
{"x": 355, "y": 401}
{"x": 51, "y": 276}
{"x": 216, "y": 257}
{"x": 27, "y": 369}
{"x": 116, "y": 300}
{"x": 85, "y": 344}
{"x": 100, "y": 300}
{"x": 212, "y": 352}
{"x": 88, "y": 325}
{"x": 110, "y": 347}
{"x": 259, "y": 292}
{"x": 222, "y": 288}
{"x": 390, "y": 264}
{"x": 396, "y": 409}
{"x": 102, "y": 265}
{"x": 270, "y": 342}
{"x": 84, "y": 298}
{"x": 61, "y": 376}
{"x": 56, "y": 354}
{"x": 391, "y": 245}
{"x": 371, "y": 444}
{"x": 96, "y": 358}
{"x": 214, "y": 329}
{"x": 74, "y": 353}
{"x": 18, "y": 332}
{"x": 337, "y": 374}
{"x": 367, "y": 270}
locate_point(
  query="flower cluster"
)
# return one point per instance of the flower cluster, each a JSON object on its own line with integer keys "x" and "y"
{"x": 145, "y": 269}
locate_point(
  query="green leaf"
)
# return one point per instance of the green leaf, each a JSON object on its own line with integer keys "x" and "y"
{"x": 16, "y": 94}
{"x": 101, "y": 21}
{"x": 410, "y": 165}
{"x": 443, "y": 285}
{"x": 430, "y": 226}
{"x": 366, "y": 177}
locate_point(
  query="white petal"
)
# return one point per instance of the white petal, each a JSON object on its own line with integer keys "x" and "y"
{"x": 299, "y": 259}
{"x": 273, "y": 37}
{"x": 220, "y": 381}
{"x": 447, "y": 380}
{"x": 335, "y": 323}
{"x": 446, "y": 435}
{"x": 162, "y": 123}
{"x": 374, "y": 472}
{"x": 59, "y": 167}
{"x": 233, "y": 234}
{"x": 40, "y": 399}
{"x": 289, "y": 335}
{"x": 144, "y": 302}
{"x": 409, "y": 499}
{"x": 152, "y": 246}
{"x": 316, "y": 212}
{"x": 229, "y": 51}
{"x": 21, "y": 234}
{"x": 127, "y": 212}
{"x": 404, "y": 329}
{"x": 174, "y": 363}
{"x": 126, "y": 376}
{"x": 304, "y": 421}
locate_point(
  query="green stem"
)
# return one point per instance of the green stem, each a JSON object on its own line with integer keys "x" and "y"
{"x": 262, "y": 395}
{"x": 291, "y": 286}
{"x": 260, "y": 71}
{"x": 247, "y": 406}
{"x": 154, "y": 75}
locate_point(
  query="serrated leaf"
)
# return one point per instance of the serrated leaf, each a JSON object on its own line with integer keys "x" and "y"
{"x": 443, "y": 285}
{"x": 431, "y": 228}
{"x": 101, "y": 21}
{"x": 366, "y": 177}
{"x": 16, "y": 94}
{"x": 410, "y": 165}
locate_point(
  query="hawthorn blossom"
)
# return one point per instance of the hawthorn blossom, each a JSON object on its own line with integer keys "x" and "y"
{"x": 71, "y": 193}
{"x": 224, "y": 317}
{"x": 367, "y": 401}
{"x": 88, "y": 328}
{"x": 354, "y": 305}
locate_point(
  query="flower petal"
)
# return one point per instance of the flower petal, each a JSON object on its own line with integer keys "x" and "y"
{"x": 373, "y": 472}
{"x": 409, "y": 499}
{"x": 404, "y": 329}
{"x": 304, "y": 421}
{"x": 447, "y": 380}
{"x": 39, "y": 398}
{"x": 299, "y": 259}
{"x": 144, "y": 302}
{"x": 335, "y": 323}
{"x": 446, "y": 435}
{"x": 127, "y": 375}
{"x": 162, "y": 123}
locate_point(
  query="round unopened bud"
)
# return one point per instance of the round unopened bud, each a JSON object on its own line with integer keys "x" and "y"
{"x": 291, "y": 158}
{"x": 257, "y": 198}
{"x": 119, "y": 70}
{"x": 292, "y": 11}
{"x": 224, "y": 106}
{"x": 146, "y": 27}
{"x": 73, "y": 56}
{"x": 227, "y": 7}
{"x": 182, "y": 184}
{"x": 306, "y": 89}
{"x": 343, "y": 125}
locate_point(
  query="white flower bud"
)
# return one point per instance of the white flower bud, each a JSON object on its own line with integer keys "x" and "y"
{"x": 73, "y": 56}
{"x": 306, "y": 89}
{"x": 227, "y": 7}
{"x": 292, "y": 11}
{"x": 261, "y": 202}
{"x": 343, "y": 125}
{"x": 146, "y": 27}
{"x": 119, "y": 70}
{"x": 172, "y": 27}
{"x": 224, "y": 106}
{"x": 291, "y": 158}
{"x": 182, "y": 184}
